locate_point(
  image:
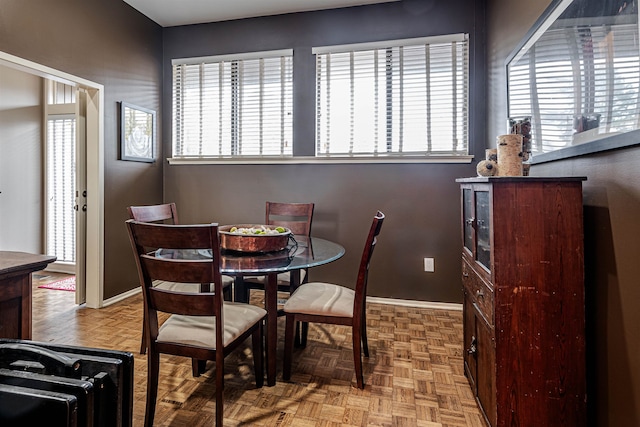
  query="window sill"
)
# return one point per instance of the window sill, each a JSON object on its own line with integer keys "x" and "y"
{"x": 322, "y": 161}
{"x": 614, "y": 142}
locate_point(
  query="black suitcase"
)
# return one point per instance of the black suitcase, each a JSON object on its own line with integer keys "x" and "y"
{"x": 20, "y": 406}
{"x": 81, "y": 390}
{"x": 50, "y": 367}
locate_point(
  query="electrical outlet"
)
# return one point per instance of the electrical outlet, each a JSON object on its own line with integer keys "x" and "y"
{"x": 429, "y": 265}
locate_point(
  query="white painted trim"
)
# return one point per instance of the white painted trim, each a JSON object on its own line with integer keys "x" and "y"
{"x": 321, "y": 161}
{"x": 232, "y": 57}
{"x": 447, "y": 38}
{"x": 376, "y": 300}
{"x": 95, "y": 168}
{"x": 61, "y": 267}
{"x": 418, "y": 304}
{"x": 95, "y": 198}
{"x": 46, "y": 72}
{"x": 121, "y": 297}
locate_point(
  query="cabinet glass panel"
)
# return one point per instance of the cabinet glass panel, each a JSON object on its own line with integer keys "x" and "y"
{"x": 467, "y": 213}
{"x": 483, "y": 244}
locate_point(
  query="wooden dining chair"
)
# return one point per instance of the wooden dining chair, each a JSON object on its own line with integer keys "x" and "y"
{"x": 297, "y": 217}
{"x": 319, "y": 302}
{"x": 167, "y": 213}
{"x": 201, "y": 326}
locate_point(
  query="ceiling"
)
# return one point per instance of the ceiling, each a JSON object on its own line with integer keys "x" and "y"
{"x": 169, "y": 13}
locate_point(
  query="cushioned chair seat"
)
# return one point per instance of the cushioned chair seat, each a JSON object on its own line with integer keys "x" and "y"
{"x": 324, "y": 299}
{"x": 200, "y": 331}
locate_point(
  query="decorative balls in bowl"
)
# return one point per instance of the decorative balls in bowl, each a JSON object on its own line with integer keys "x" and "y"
{"x": 253, "y": 238}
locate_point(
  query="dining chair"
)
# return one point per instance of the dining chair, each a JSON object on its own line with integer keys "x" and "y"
{"x": 167, "y": 213}
{"x": 201, "y": 326}
{"x": 329, "y": 303}
{"x": 297, "y": 217}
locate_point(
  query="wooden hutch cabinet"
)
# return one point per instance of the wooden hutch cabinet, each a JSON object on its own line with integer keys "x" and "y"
{"x": 523, "y": 284}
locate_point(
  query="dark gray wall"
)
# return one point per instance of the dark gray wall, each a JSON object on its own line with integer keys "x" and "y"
{"x": 421, "y": 201}
{"x": 110, "y": 43}
{"x": 612, "y": 229}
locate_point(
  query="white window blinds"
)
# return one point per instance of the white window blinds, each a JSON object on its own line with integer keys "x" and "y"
{"x": 61, "y": 187}
{"x": 395, "y": 98}
{"x": 578, "y": 79}
{"x": 233, "y": 106}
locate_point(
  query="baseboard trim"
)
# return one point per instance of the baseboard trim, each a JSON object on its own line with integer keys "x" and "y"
{"x": 121, "y": 296}
{"x": 61, "y": 267}
{"x": 419, "y": 304}
{"x": 377, "y": 300}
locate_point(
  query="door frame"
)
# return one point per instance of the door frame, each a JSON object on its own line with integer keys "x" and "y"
{"x": 94, "y": 247}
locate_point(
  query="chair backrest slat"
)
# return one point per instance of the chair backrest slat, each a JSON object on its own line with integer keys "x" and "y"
{"x": 175, "y": 236}
{"x": 166, "y": 213}
{"x": 196, "y": 304}
{"x": 183, "y": 271}
{"x": 295, "y": 216}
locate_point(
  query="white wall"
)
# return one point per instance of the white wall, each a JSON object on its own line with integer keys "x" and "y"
{"x": 21, "y": 161}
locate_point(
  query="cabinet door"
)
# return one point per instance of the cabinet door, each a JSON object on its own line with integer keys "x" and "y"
{"x": 483, "y": 228}
{"x": 485, "y": 370}
{"x": 468, "y": 219}
{"x": 479, "y": 357}
{"x": 470, "y": 341}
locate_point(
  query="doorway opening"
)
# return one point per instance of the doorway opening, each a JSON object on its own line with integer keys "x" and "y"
{"x": 89, "y": 260}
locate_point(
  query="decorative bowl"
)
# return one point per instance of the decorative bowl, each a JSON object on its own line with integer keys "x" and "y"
{"x": 258, "y": 260}
{"x": 235, "y": 241}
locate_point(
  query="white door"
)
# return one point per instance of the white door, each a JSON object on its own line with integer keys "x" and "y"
{"x": 66, "y": 183}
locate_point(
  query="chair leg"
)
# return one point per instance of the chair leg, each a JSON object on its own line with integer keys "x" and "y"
{"x": 288, "y": 346}
{"x": 143, "y": 341}
{"x": 227, "y": 293}
{"x": 153, "y": 368}
{"x": 258, "y": 360}
{"x": 297, "y": 341}
{"x": 240, "y": 290}
{"x": 303, "y": 334}
{"x": 219, "y": 387}
{"x": 198, "y": 367}
{"x": 357, "y": 355}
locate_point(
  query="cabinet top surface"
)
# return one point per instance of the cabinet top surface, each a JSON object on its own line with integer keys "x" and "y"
{"x": 497, "y": 179}
{"x": 16, "y": 261}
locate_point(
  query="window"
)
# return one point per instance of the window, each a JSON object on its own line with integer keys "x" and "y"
{"x": 395, "y": 98}
{"x": 578, "y": 83}
{"x": 233, "y": 106}
{"x": 61, "y": 172}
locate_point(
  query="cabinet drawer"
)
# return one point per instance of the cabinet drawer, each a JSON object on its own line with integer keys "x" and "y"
{"x": 478, "y": 291}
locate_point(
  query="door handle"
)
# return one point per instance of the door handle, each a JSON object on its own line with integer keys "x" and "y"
{"x": 473, "y": 349}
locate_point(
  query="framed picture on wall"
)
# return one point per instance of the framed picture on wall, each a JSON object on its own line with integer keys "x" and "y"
{"x": 137, "y": 133}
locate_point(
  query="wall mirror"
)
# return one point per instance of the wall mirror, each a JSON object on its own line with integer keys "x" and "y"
{"x": 576, "y": 76}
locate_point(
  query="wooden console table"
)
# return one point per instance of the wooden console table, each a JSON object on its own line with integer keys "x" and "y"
{"x": 15, "y": 291}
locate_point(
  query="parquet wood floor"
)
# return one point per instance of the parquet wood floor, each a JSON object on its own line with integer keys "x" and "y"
{"x": 414, "y": 375}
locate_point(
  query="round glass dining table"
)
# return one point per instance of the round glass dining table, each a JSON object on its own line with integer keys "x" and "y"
{"x": 300, "y": 253}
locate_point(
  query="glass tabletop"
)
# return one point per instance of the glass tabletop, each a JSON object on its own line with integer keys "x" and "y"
{"x": 303, "y": 253}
